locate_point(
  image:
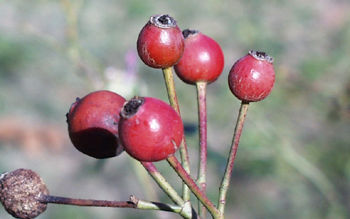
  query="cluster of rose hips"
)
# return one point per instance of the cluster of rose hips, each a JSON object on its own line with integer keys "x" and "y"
{"x": 103, "y": 124}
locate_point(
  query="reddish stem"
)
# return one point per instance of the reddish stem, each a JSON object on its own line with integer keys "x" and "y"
{"x": 202, "y": 116}
{"x": 231, "y": 159}
{"x": 186, "y": 178}
{"x": 87, "y": 202}
{"x": 133, "y": 203}
{"x": 149, "y": 166}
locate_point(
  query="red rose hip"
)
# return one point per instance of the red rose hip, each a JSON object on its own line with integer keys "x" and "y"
{"x": 93, "y": 124}
{"x": 252, "y": 77}
{"x": 160, "y": 43}
{"x": 202, "y": 60}
{"x": 149, "y": 129}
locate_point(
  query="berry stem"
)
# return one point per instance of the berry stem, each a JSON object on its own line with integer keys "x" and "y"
{"x": 187, "y": 210}
{"x": 186, "y": 178}
{"x": 132, "y": 203}
{"x": 170, "y": 85}
{"x": 231, "y": 159}
{"x": 202, "y": 117}
{"x": 163, "y": 183}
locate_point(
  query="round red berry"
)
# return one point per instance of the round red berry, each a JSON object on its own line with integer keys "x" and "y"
{"x": 150, "y": 130}
{"x": 93, "y": 124}
{"x": 160, "y": 43}
{"x": 202, "y": 60}
{"x": 252, "y": 77}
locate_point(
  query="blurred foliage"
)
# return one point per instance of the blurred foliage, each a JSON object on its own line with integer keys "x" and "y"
{"x": 294, "y": 156}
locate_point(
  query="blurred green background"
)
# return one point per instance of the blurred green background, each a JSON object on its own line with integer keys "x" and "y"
{"x": 294, "y": 156}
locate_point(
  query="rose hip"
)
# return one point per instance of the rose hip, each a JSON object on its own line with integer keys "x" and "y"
{"x": 149, "y": 129}
{"x": 252, "y": 77}
{"x": 202, "y": 60}
{"x": 160, "y": 43}
{"x": 93, "y": 124}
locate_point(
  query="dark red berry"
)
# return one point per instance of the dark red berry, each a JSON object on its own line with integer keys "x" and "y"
{"x": 160, "y": 43}
{"x": 20, "y": 191}
{"x": 93, "y": 124}
{"x": 252, "y": 77}
{"x": 202, "y": 60}
{"x": 150, "y": 130}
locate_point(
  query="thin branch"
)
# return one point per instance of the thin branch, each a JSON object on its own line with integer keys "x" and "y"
{"x": 132, "y": 203}
{"x": 186, "y": 178}
{"x": 170, "y": 85}
{"x": 202, "y": 117}
{"x": 163, "y": 183}
{"x": 86, "y": 202}
{"x": 231, "y": 159}
{"x": 187, "y": 211}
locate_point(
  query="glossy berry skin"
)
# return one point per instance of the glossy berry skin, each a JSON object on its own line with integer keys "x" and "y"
{"x": 93, "y": 124}
{"x": 252, "y": 77}
{"x": 150, "y": 130}
{"x": 202, "y": 61}
{"x": 160, "y": 43}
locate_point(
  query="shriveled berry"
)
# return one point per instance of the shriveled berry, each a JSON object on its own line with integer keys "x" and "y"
{"x": 93, "y": 124}
{"x": 20, "y": 191}
{"x": 160, "y": 43}
{"x": 150, "y": 130}
{"x": 202, "y": 60}
{"x": 252, "y": 77}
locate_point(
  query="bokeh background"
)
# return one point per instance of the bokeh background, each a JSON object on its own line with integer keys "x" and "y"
{"x": 294, "y": 156}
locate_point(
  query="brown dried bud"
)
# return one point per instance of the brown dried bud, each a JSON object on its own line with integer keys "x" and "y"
{"x": 20, "y": 191}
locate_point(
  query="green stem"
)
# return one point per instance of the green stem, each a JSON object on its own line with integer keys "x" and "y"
{"x": 170, "y": 85}
{"x": 231, "y": 159}
{"x": 202, "y": 117}
{"x": 186, "y": 178}
{"x": 158, "y": 206}
{"x": 163, "y": 183}
{"x": 187, "y": 211}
